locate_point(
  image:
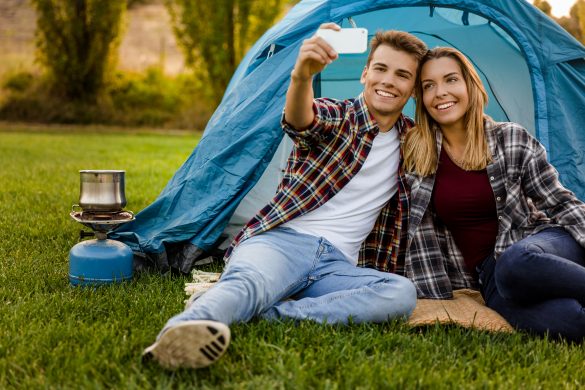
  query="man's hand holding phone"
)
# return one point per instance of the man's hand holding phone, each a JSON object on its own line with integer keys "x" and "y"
{"x": 325, "y": 46}
{"x": 315, "y": 54}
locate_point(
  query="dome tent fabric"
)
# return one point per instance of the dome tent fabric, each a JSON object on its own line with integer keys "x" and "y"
{"x": 534, "y": 72}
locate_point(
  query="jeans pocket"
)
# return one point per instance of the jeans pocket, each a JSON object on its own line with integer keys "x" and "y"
{"x": 325, "y": 246}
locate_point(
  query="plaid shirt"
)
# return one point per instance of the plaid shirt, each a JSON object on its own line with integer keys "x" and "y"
{"x": 529, "y": 198}
{"x": 324, "y": 159}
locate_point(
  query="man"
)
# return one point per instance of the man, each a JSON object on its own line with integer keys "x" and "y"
{"x": 342, "y": 190}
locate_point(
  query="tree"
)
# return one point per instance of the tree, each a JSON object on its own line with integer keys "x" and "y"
{"x": 577, "y": 13}
{"x": 215, "y": 35}
{"x": 575, "y": 22}
{"x": 544, "y": 6}
{"x": 76, "y": 42}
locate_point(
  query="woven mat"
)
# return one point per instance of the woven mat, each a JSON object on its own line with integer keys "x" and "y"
{"x": 466, "y": 309}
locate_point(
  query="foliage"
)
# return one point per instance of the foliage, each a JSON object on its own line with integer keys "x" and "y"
{"x": 77, "y": 42}
{"x": 18, "y": 81}
{"x": 574, "y": 24}
{"x": 154, "y": 99}
{"x": 215, "y": 35}
{"x": 544, "y": 6}
{"x": 54, "y": 336}
{"x": 578, "y": 18}
{"x": 131, "y": 99}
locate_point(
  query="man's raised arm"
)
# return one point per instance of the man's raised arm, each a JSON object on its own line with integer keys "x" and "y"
{"x": 313, "y": 56}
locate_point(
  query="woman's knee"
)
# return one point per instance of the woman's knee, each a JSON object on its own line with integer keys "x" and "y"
{"x": 513, "y": 266}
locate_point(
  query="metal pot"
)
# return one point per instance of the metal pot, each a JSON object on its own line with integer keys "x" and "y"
{"x": 102, "y": 190}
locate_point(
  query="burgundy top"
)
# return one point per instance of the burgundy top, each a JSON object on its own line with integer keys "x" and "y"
{"x": 464, "y": 202}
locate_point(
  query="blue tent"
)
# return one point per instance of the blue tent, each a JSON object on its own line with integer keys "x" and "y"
{"x": 533, "y": 69}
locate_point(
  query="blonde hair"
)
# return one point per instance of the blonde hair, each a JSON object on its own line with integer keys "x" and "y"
{"x": 420, "y": 149}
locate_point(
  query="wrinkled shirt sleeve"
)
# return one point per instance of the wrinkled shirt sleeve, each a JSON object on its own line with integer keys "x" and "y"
{"x": 329, "y": 116}
{"x": 541, "y": 184}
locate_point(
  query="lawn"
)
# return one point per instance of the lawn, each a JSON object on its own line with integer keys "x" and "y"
{"x": 53, "y": 335}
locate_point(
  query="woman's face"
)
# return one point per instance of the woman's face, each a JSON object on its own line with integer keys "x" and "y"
{"x": 444, "y": 92}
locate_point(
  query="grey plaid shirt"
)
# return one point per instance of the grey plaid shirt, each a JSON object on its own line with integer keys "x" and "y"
{"x": 528, "y": 196}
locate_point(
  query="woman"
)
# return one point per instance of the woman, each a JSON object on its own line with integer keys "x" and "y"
{"x": 487, "y": 209}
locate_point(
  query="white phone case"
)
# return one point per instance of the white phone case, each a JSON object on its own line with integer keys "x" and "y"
{"x": 346, "y": 40}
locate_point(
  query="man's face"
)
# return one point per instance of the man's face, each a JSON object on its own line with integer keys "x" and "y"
{"x": 388, "y": 82}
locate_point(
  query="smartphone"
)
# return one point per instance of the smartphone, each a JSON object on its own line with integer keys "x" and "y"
{"x": 346, "y": 40}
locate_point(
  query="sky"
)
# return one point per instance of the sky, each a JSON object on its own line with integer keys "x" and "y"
{"x": 560, "y": 7}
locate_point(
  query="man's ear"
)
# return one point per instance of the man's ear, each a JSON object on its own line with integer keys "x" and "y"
{"x": 363, "y": 76}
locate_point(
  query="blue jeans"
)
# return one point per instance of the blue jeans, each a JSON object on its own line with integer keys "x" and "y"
{"x": 538, "y": 284}
{"x": 278, "y": 264}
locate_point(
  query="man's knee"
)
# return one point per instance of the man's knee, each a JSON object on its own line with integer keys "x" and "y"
{"x": 408, "y": 294}
{"x": 400, "y": 297}
{"x": 243, "y": 273}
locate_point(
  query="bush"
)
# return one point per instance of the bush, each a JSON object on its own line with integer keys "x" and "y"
{"x": 154, "y": 99}
{"x": 144, "y": 91}
{"x": 18, "y": 82}
{"x": 131, "y": 99}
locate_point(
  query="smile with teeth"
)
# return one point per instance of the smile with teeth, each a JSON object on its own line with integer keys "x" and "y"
{"x": 385, "y": 94}
{"x": 445, "y": 106}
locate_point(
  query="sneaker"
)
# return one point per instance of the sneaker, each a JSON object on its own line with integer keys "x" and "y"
{"x": 190, "y": 344}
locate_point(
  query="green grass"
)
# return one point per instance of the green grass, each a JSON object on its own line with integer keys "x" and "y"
{"x": 53, "y": 335}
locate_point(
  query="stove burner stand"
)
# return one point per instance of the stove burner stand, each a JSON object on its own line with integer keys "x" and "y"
{"x": 100, "y": 261}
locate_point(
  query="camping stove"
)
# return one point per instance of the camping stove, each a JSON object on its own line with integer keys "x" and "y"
{"x": 100, "y": 260}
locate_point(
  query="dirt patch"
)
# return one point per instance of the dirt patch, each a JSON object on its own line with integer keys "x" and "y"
{"x": 148, "y": 38}
{"x": 149, "y": 41}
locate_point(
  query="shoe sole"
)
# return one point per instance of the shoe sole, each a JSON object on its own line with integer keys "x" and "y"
{"x": 191, "y": 344}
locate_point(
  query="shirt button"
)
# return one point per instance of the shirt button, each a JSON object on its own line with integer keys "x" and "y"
{"x": 500, "y": 217}
{"x": 499, "y": 198}
{"x": 492, "y": 178}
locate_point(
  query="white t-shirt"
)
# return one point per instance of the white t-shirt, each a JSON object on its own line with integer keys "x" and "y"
{"x": 347, "y": 218}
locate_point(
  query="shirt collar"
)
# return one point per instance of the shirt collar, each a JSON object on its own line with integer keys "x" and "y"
{"x": 366, "y": 121}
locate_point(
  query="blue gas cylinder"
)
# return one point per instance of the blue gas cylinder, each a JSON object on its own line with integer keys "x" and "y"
{"x": 95, "y": 262}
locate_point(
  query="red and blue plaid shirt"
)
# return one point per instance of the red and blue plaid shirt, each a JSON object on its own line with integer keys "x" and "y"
{"x": 324, "y": 158}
